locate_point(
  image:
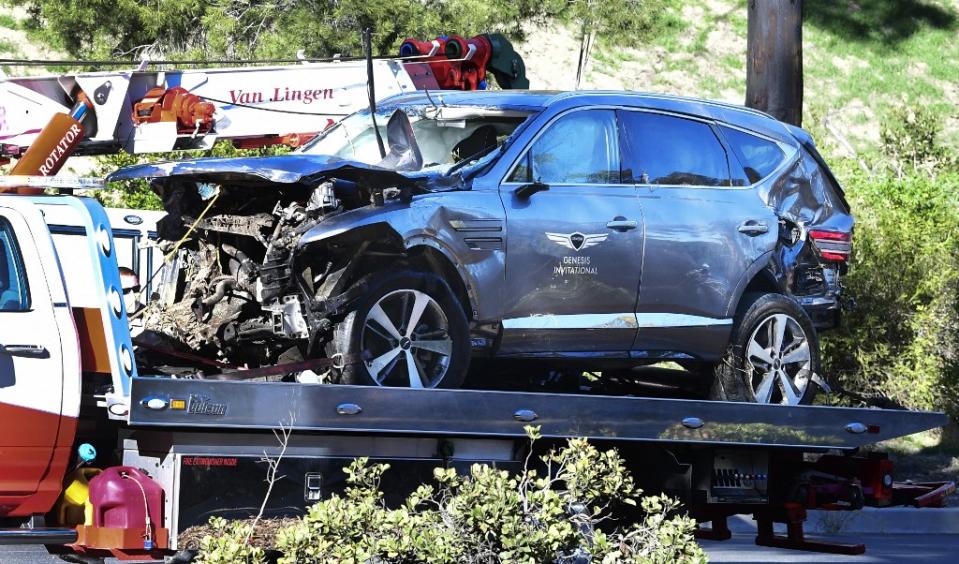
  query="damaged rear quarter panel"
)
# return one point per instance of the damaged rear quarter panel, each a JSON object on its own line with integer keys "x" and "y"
{"x": 804, "y": 197}
{"x": 467, "y": 227}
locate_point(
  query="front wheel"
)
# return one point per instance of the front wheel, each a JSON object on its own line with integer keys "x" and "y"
{"x": 408, "y": 330}
{"x": 773, "y": 354}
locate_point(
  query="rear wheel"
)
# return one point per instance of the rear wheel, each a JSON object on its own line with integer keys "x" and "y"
{"x": 409, "y": 330}
{"x": 773, "y": 354}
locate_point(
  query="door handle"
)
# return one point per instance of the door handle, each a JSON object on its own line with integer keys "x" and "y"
{"x": 30, "y": 351}
{"x": 622, "y": 224}
{"x": 753, "y": 228}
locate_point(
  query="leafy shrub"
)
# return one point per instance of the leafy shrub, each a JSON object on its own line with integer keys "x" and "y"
{"x": 228, "y": 543}
{"x": 902, "y": 338}
{"x": 909, "y": 138}
{"x": 489, "y": 515}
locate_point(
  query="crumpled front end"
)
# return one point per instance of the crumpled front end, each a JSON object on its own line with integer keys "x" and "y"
{"x": 232, "y": 291}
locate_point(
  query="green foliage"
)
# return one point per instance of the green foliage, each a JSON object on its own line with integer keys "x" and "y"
{"x": 8, "y": 22}
{"x": 902, "y": 339}
{"x": 910, "y": 140}
{"x": 488, "y": 515}
{"x": 278, "y": 28}
{"x": 227, "y": 544}
{"x": 135, "y": 194}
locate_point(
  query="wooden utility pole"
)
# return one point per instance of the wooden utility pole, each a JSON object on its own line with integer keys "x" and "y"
{"x": 774, "y": 59}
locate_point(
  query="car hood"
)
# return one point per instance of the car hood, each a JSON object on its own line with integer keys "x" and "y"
{"x": 285, "y": 169}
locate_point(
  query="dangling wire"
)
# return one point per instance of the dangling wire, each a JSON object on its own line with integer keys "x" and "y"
{"x": 189, "y": 231}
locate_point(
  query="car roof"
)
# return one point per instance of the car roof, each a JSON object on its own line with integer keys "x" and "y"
{"x": 509, "y": 99}
{"x": 536, "y": 100}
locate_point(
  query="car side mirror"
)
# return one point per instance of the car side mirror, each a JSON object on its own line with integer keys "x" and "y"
{"x": 526, "y": 190}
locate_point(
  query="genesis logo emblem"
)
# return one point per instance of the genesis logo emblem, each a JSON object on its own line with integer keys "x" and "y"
{"x": 577, "y": 241}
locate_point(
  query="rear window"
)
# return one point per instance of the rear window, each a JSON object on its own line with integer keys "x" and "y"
{"x": 673, "y": 151}
{"x": 758, "y": 157}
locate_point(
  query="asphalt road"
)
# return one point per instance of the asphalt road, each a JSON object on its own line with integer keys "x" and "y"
{"x": 741, "y": 548}
{"x": 879, "y": 548}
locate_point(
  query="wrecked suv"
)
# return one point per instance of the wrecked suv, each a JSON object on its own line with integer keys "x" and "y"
{"x": 593, "y": 230}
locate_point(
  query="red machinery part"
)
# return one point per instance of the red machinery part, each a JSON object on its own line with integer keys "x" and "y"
{"x": 456, "y": 63}
{"x": 874, "y": 472}
{"x": 191, "y": 114}
{"x": 922, "y": 494}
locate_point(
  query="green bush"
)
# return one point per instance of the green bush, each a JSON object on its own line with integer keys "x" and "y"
{"x": 902, "y": 338}
{"x": 230, "y": 543}
{"x": 489, "y": 515}
{"x": 909, "y": 139}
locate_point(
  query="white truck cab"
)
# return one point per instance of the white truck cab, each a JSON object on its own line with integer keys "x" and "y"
{"x": 56, "y": 323}
{"x": 39, "y": 358}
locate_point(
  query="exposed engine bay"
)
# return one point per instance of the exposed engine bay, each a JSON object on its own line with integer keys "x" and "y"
{"x": 226, "y": 292}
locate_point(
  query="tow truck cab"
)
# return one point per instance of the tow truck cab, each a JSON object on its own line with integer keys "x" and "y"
{"x": 62, "y": 323}
{"x": 39, "y": 363}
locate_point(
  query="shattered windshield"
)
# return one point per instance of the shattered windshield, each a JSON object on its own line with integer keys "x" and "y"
{"x": 445, "y": 135}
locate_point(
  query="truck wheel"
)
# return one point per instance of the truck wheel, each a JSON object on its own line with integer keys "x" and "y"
{"x": 772, "y": 355}
{"x": 408, "y": 330}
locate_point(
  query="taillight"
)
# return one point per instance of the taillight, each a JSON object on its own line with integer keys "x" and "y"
{"x": 832, "y": 245}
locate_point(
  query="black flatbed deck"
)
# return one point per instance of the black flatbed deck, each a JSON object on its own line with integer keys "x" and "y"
{"x": 251, "y": 406}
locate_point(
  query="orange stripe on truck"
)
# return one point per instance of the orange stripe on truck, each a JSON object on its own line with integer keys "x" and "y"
{"x": 94, "y": 352}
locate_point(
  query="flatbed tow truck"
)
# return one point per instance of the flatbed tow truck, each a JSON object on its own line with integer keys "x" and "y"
{"x": 69, "y": 380}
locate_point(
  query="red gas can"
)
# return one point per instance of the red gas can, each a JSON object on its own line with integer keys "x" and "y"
{"x": 122, "y": 496}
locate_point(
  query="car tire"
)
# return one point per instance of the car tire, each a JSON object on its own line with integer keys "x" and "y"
{"x": 383, "y": 343}
{"x": 772, "y": 355}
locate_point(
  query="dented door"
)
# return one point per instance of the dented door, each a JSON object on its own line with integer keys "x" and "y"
{"x": 574, "y": 250}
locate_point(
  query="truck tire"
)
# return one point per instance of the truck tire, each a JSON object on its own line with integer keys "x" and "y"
{"x": 773, "y": 353}
{"x": 408, "y": 330}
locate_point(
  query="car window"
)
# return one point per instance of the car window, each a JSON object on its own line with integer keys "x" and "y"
{"x": 445, "y": 137}
{"x": 757, "y": 156}
{"x": 579, "y": 148}
{"x": 13, "y": 282}
{"x": 670, "y": 150}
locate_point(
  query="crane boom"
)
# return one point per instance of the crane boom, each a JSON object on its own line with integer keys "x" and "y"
{"x": 146, "y": 111}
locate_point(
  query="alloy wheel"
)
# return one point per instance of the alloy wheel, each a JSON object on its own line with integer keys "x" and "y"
{"x": 405, "y": 340}
{"x": 778, "y": 360}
